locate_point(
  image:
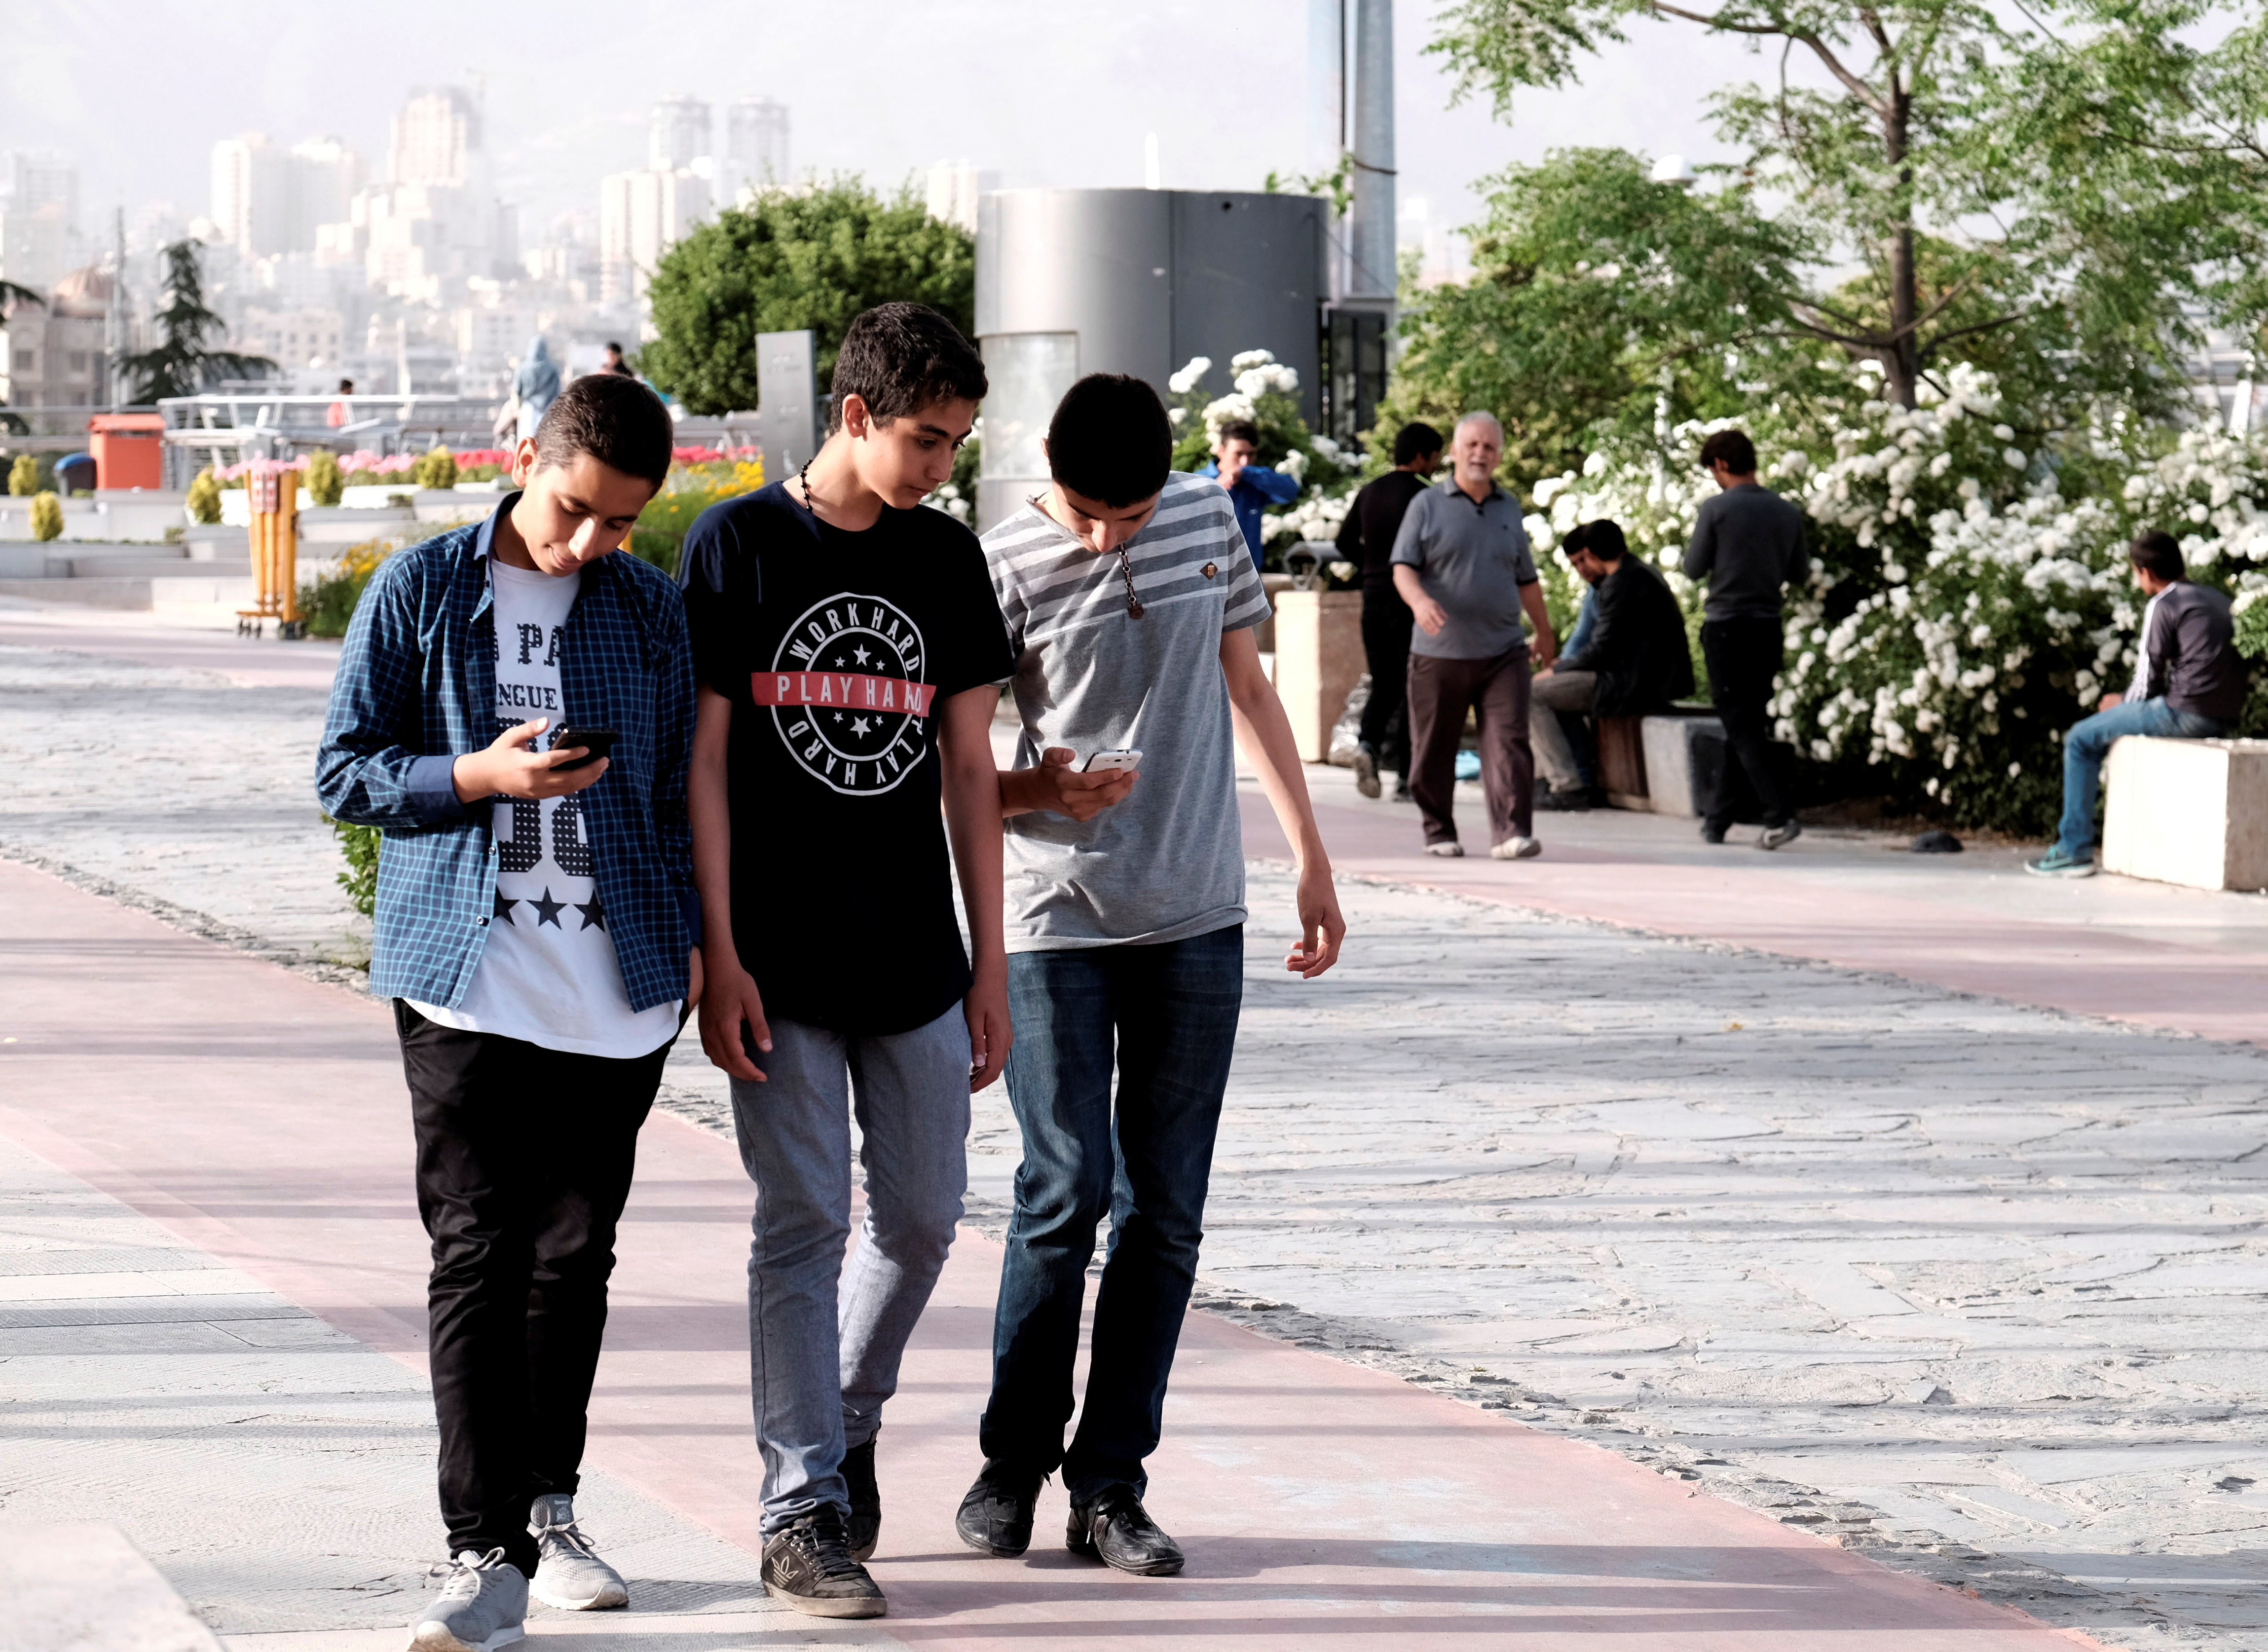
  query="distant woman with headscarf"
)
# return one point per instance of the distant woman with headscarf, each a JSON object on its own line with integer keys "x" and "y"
{"x": 537, "y": 385}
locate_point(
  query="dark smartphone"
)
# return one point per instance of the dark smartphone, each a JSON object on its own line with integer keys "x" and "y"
{"x": 601, "y": 741}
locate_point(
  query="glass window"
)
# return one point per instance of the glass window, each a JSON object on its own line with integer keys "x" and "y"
{"x": 1027, "y": 374}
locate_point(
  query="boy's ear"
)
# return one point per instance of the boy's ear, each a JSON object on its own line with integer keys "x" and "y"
{"x": 523, "y": 461}
{"x": 856, "y": 420}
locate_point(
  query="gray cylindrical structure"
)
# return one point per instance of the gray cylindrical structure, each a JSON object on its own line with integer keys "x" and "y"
{"x": 1071, "y": 281}
{"x": 1370, "y": 221}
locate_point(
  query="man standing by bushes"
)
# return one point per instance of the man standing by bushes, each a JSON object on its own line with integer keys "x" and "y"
{"x": 1461, "y": 562}
{"x": 1366, "y": 540}
{"x": 1252, "y": 488}
{"x": 2189, "y": 684}
{"x": 535, "y": 927}
{"x": 1747, "y": 542}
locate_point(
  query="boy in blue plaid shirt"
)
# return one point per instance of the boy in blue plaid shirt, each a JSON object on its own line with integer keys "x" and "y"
{"x": 535, "y": 928}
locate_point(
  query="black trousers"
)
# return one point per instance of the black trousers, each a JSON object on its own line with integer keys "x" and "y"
{"x": 1442, "y": 692}
{"x": 1744, "y": 660}
{"x": 524, "y": 1163}
{"x": 1385, "y": 626}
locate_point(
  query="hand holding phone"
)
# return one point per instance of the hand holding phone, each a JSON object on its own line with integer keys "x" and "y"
{"x": 600, "y": 742}
{"x": 1112, "y": 762}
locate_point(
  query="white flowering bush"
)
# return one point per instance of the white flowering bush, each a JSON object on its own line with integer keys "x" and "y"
{"x": 1970, "y": 599}
{"x": 1263, "y": 394}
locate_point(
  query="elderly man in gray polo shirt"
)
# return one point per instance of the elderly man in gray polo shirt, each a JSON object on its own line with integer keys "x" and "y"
{"x": 1461, "y": 562}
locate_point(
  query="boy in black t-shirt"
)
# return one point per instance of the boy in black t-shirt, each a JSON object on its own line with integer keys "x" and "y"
{"x": 848, "y": 645}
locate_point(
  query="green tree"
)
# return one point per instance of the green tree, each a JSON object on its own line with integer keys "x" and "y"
{"x": 2069, "y": 175}
{"x": 1601, "y": 300}
{"x": 24, "y": 476}
{"x": 204, "y": 499}
{"x": 182, "y": 363}
{"x": 790, "y": 262}
{"x": 46, "y": 517}
{"x": 324, "y": 483}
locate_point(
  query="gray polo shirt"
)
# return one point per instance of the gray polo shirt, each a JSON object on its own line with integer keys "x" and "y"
{"x": 1472, "y": 559}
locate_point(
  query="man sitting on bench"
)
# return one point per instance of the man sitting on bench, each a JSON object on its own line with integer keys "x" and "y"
{"x": 1634, "y": 659}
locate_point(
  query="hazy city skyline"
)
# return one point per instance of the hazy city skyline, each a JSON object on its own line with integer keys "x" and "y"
{"x": 137, "y": 94}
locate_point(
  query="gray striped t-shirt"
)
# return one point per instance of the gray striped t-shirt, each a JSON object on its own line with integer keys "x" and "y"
{"x": 1168, "y": 862}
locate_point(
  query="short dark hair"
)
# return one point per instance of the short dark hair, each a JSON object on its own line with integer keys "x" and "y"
{"x": 1735, "y": 448}
{"x": 614, "y": 347}
{"x": 899, "y": 358}
{"x": 1110, "y": 440}
{"x": 1238, "y": 430}
{"x": 1602, "y": 538}
{"x": 1415, "y": 441}
{"x": 2157, "y": 553}
{"x": 617, "y": 421}
{"x": 346, "y": 386}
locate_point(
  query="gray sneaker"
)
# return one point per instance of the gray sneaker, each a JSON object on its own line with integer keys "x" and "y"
{"x": 569, "y": 1573}
{"x": 482, "y": 1605}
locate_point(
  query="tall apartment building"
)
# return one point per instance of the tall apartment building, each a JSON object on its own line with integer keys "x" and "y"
{"x": 641, "y": 216}
{"x": 435, "y": 138}
{"x": 678, "y": 134}
{"x": 755, "y": 146}
{"x": 436, "y": 222}
{"x": 267, "y": 200}
{"x": 39, "y": 218}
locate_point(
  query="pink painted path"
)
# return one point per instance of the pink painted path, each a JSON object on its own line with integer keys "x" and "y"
{"x": 260, "y": 1116}
{"x": 2190, "y": 960}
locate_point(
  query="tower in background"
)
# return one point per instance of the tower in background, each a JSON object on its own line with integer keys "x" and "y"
{"x": 678, "y": 134}
{"x": 755, "y": 146}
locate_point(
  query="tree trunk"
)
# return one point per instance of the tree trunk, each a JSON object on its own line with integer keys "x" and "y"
{"x": 1902, "y": 361}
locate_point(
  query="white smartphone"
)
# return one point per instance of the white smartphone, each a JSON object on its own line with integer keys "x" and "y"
{"x": 1113, "y": 760}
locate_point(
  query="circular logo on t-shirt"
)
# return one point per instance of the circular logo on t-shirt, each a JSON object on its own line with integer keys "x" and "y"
{"x": 847, "y": 694}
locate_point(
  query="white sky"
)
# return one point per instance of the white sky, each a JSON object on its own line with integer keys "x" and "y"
{"x": 1055, "y": 94}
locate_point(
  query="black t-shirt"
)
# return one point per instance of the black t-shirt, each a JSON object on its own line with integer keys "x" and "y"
{"x": 835, "y": 649}
{"x": 1373, "y": 519}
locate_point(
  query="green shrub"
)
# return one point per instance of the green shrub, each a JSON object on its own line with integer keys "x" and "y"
{"x": 24, "y": 476}
{"x": 321, "y": 477}
{"x": 437, "y": 469}
{"x": 359, "y": 845}
{"x": 328, "y": 602}
{"x": 204, "y": 497}
{"x": 46, "y": 517}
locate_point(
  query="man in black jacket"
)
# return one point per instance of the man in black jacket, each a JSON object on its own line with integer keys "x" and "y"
{"x": 1635, "y": 660}
{"x": 1748, "y": 543}
{"x": 1366, "y": 540}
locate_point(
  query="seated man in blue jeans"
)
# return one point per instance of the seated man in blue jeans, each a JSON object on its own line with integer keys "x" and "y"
{"x": 2189, "y": 684}
{"x": 1129, "y": 603}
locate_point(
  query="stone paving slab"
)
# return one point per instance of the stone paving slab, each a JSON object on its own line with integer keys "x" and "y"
{"x": 1318, "y": 1498}
{"x": 80, "y": 1586}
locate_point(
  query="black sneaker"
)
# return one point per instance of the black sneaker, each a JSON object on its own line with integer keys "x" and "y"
{"x": 808, "y": 1567}
{"x": 996, "y": 1517}
{"x": 1366, "y": 771}
{"x": 866, "y": 1524}
{"x": 1574, "y": 800}
{"x": 1712, "y": 834}
{"x": 1117, "y": 1531}
{"x": 1402, "y": 789}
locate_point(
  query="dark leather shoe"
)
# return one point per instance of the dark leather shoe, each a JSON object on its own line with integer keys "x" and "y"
{"x": 866, "y": 1522}
{"x": 996, "y": 1517}
{"x": 1117, "y": 1531}
{"x": 1574, "y": 800}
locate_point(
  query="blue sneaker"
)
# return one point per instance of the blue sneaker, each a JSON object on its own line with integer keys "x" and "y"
{"x": 2056, "y": 864}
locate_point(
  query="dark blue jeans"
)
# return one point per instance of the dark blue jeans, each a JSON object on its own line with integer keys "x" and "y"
{"x": 2090, "y": 741}
{"x": 1170, "y": 1011}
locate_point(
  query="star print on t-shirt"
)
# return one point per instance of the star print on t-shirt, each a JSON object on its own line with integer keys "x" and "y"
{"x": 548, "y": 910}
{"x": 593, "y": 913}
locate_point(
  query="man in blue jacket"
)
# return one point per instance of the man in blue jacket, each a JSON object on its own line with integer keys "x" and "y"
{"x": 1252, "y": 488}
{"x": 535, "y": 926}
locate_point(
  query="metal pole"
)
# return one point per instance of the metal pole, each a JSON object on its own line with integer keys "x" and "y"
{"x": 1371, "y": 221}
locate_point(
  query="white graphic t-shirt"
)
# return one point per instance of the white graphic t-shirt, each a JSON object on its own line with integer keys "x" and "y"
{"x": 548, "y": 974}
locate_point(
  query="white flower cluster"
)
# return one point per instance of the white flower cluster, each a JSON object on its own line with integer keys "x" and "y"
{"x": 1191, "y": 376}
{"x": 1258, "y": 374}
{"x": 1313, "y": 515}
{"x": 1962, "y": 609}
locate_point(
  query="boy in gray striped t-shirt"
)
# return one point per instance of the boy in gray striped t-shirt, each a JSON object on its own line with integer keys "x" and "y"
{"x": 1130, "y": 601}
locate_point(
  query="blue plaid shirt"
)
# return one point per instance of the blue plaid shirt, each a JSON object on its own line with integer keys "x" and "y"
{"x": 415, "y": 688}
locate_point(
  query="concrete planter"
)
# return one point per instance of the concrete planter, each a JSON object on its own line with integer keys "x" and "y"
{"x": 1318, "y": 660}
{"x": 2188, "y": 811}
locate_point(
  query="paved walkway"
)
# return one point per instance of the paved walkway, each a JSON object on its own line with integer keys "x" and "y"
{"x": 1970, "y": 1285}
{"x": 222, "y": 1231}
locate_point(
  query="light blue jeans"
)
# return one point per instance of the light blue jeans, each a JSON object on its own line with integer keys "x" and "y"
{"x": 822, "y": 1360}
{"x": 2089, "y": 743}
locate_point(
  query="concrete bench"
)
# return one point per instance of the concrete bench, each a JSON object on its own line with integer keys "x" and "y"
{"x": 2188, "y": 811}
{"x": 1684, "y": 754}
